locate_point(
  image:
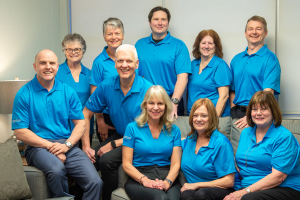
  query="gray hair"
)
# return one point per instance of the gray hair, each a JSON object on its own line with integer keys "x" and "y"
{"x": 127, "y": 47}
{"x": 113, "y": 22}
{"x": 73, "y": 38}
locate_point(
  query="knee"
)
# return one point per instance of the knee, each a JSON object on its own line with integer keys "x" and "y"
{"x": 185, "y": 195}
{"x": 95, "y": 182}
{"x": 56, "y": 171}
{"x": 201, "y": 195}
{"x": 106, "y": 162}
{"x": 248, "y": 197}
{"x": 162, "y": 197}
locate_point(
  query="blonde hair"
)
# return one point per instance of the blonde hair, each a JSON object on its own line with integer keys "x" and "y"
{"x": 160, "y": 93}
{"x": 213, "y": 119}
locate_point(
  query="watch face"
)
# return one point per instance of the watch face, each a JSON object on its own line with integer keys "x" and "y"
{"x": 174, "y": 100}
{"x": 68, "y": 144}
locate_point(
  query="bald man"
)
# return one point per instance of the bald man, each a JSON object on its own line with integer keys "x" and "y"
{"x": 41, "y": 113}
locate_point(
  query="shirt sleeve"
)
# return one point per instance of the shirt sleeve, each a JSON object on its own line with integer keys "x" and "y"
{"x": 97, "y": 101}
{"x": 97, "y": 76}
{"x": 285, "y": 152}
{"x": 75, "y": 111}
{"x": 222, "y": 76}
{"x": 272, "y": 75}
{"x": 177, "y": 136}
{"x": 20, "y": 113}
{"x": 128, "y": 139}
{"x": 224, "y": 155}
{"x": 183, "y": 61}
{"x": 140, "y": 69}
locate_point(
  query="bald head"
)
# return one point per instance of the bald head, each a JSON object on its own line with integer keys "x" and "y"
{"x": 46, "y": 52}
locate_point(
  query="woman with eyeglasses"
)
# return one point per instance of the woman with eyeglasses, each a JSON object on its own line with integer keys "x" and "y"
{"x": 73, "y": 72}
{"x": 267, "y": 155}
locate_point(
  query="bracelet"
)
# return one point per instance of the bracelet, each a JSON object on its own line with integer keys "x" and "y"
{"x": 141, "y": 179}
{"x": 169, "y": 181}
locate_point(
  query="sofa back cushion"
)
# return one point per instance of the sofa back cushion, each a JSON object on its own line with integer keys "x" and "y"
{"x": 293, "y": 125}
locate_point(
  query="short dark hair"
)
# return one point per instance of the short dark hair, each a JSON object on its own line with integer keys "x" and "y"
{"x": 219, "y": 50}
{"x": 265, "y": 99}
{"x": 159, "y": 8}
{"x": 258, "y": 19}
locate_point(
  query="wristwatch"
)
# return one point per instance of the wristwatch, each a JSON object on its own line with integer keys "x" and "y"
{"x": 113, "y": 144}
{"x": 248, "y": 190}
{"x": 68, "y": 144}
{"x": 175, "y": 100}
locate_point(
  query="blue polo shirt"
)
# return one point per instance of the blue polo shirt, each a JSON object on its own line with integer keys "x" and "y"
{"x": 205, "y": 85}
{"x": 252, "y": 73}
{"x": 148, "y": 151}
{"x": 278, "y": 149}
{"x": 121, "y": 109}
{"x": 46, "y": 113}
{"x": 161, "y": 63}
{"x": 211, "y": 162}
{"x": 82, "y": 88}
{"x": 103, "y": 68}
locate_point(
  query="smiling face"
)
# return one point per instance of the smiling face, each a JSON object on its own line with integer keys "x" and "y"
{"x": 76, "y": 54}
{"x": 255, "y": 33}
{"x": 261, "y": 115}
{"x": 126, "y": 64}
{"x": 200, "y": 119}
{"x": 46, "y": 67}
{"x": 155, "y": 108}
{"x": 113, "y": 37}
{"x": 207, "y": 47}
{"x": 159, "y": 23}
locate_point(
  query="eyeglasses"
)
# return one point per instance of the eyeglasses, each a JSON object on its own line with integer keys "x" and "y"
{"x": 77, "y": 50}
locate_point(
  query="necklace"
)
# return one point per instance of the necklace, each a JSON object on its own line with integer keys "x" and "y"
{"x": 246, "y": 157}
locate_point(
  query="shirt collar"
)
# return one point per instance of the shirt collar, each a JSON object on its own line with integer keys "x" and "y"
{"x": 135, "y": 86}
{"x": 104, "y": 54}
{"x": 38, "y": 87}
{"x": 166, "y": 40}
{"x": 261, "y": 52}
{"x": 67, "y": 70}
{"x": 270, "y": 133}
{"x": 212, "y": 140}
{"x": 212, "y": 61}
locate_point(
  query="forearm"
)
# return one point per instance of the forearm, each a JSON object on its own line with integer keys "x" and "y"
{"x": 78, "y": 131}
{"x": 225, "y": 182}
{"x": 132, "y": 171}
{"x": 269, "y": 89}
{"x": 85, "y": 139}
{"x": 180, "y": 85}
{"x": 231, "y": 98}
{"x": 175, "y": 164}
{"x": 119, "y": 142}
{"x": 30, "y": 138}
{"x": 221, "y": 104}
{"x": 272, "y": 180}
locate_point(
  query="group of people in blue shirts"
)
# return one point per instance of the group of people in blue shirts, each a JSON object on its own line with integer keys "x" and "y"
{"x": 135, "y": 93}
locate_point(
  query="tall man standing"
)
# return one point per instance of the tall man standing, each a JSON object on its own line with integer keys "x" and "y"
{"x": 255, "y": 69}
{"x": 41, "y": 113}
{"x": 164, "y": 60}
{"x": 122, "y": 95}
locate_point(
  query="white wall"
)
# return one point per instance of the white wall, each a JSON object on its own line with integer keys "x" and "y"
{"x": 26, "y": 28}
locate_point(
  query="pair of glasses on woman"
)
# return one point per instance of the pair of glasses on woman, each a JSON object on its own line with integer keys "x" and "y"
{"x": 76, "y": 50}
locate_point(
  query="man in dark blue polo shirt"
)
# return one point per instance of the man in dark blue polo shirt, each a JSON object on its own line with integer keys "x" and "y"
{"x": 122, "y": 95}
{"x": 41, "y": 113}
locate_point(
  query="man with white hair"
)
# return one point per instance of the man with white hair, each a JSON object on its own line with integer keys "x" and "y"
{"x": 122, "y": 95}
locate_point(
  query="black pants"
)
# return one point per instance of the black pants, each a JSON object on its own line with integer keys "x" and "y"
{"x": 214, "y": 193}
{"x": 276, "y": 193}
{"x": 135, "y": 191}
{"x": 237, "y": 112}
{"x": 108, "y": 164}
{"x": 107, "y": 121}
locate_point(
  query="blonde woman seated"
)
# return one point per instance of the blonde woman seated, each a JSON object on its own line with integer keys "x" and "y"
{"x": 207, "y": 158}
{"x": 152, "y": 150}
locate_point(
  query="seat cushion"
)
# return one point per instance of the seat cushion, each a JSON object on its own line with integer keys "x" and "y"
{"x": 119, "y": 194}
{"x": 13, "y": 182}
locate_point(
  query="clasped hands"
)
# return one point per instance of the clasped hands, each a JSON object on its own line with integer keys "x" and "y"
{"x": 58, "y": 150}
{"x": 158, "y": 184}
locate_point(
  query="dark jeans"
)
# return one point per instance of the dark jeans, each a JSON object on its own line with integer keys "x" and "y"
{"x": 276, "y": 193}
{"x": 214, "y": 193}
{"x": 77, "y": 165}
{"x": 237, "y": 112}
{"x": 135, "y": 191}
{"x": 107, "y": 121}
{"x": 108, "y": 164}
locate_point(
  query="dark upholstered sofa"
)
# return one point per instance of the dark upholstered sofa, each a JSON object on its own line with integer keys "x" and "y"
{"x": 226, "y": 126}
